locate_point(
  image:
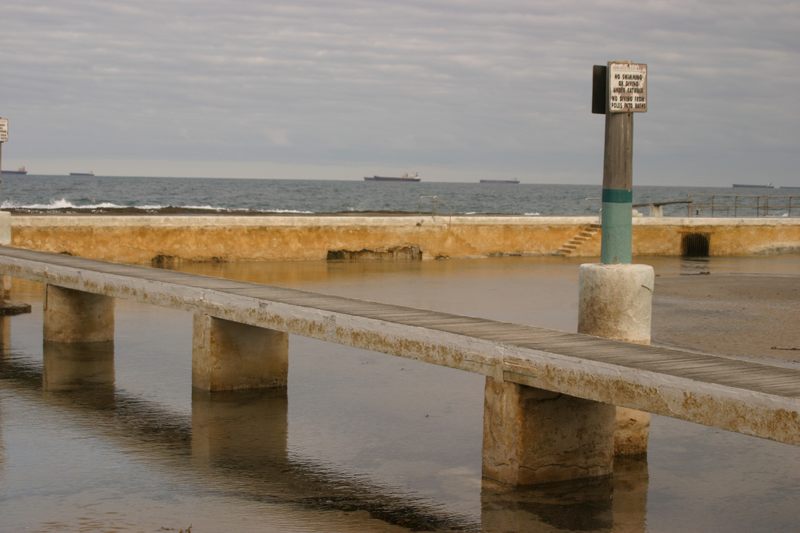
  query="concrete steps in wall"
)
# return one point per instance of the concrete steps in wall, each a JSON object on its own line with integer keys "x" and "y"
{"x": 570, "y": 247}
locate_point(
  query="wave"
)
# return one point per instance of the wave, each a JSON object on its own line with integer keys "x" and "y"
{"x": 60, "y": 204}
{"x": 64, "y": 204}
{"x": 534, "y": 214}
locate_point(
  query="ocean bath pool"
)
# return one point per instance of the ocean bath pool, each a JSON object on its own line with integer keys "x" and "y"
{"x": 365, "y": 441}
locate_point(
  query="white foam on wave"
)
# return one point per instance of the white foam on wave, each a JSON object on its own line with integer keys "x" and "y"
{"x": 59, "y": 204}
{"x": 205, "y": 208}
{"x": 63, "y": 203}
{"x": 287, "y": 211}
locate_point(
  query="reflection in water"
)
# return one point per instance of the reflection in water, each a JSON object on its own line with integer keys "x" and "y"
{"x": 568, "y": 506}
{"x": 5, "y": 342}
{"x": 302, "y": 272}
{"x": 5, "y": 334}
{"x": 236, "y": 445}
{"x": 631, "y": 482}
{"x": 243, "y": 436}
{"x": 2, "y": 445}
{"x": 246, "y": 429}
{"x": 695, "y": 266}
{"x": 614, "y": 503}
{"x": 75, "y": 366}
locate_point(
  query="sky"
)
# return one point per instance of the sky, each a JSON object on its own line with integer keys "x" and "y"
{"x": 456, "y": 90}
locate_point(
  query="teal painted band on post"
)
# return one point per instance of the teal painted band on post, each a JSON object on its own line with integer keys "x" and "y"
{"x": 617, "y": 196}
{"x": 617, "y": 233}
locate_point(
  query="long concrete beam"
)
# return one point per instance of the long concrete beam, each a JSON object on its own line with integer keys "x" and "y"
{"x": 750, "y": 398}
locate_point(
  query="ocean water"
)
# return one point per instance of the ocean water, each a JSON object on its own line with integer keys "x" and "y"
{"x": 147, "y": 194}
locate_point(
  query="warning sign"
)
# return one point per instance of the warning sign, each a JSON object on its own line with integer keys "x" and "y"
{"x": 627, "y": 87}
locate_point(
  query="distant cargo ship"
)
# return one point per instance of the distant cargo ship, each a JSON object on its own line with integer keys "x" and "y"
{"x": 500, "y": 181}
{"x": 21, "y": 171}
{"x": 753, "y": 186}
{"x": 403, "y": 178}
{"x": 90, "y": 173}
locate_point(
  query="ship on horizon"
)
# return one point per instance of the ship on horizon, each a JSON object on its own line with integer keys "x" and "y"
{"x": 512, "y": 181}
{"x": 404, "y": 178}
{"x": 21, "y": 171}
{"x": 752, "y": 186}
{"x": 90, "y": 173}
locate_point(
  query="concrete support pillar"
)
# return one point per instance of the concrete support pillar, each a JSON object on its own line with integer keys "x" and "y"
{"x": 616, "y": 303}
{"x": 5, "y": 228}
{"x": 232, "y": 356}
{"x": 76, "y": 316}
{"x": 532, "y": 436}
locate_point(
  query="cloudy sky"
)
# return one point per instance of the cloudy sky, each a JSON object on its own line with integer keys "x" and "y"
{"x": 454, "y": 89}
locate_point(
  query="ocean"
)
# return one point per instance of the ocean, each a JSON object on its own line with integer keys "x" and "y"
{"x": 276, "y": 196}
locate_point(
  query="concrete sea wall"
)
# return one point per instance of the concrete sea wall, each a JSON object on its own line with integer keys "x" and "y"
{"x": 166, "y": 239}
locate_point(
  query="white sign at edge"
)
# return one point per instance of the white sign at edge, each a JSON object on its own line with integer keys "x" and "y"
{"x": 627, "y": 95}
{"x": 3, "y": 130}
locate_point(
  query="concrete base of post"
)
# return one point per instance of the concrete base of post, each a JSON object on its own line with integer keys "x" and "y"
{"x": 532, "y": 436}
{"x": 232, "y": 356}
{"x": 74, "y": 316}
{"x": 615, "y": 302}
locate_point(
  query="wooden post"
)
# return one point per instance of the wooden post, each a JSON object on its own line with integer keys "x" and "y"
{"x": 619, "y": 90}
{"x": 617, "y": 189}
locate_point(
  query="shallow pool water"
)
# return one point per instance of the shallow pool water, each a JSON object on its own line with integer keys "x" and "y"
{"x": 361, "y": 442}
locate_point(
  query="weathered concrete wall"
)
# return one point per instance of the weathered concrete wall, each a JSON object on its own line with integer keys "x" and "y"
{"x": 163, "y": 239}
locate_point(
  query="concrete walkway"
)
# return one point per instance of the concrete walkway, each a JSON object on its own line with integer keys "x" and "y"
{"x": 747, "y": 397}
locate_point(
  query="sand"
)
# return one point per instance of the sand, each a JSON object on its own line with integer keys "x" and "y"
{"x": 750, "y": 315}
